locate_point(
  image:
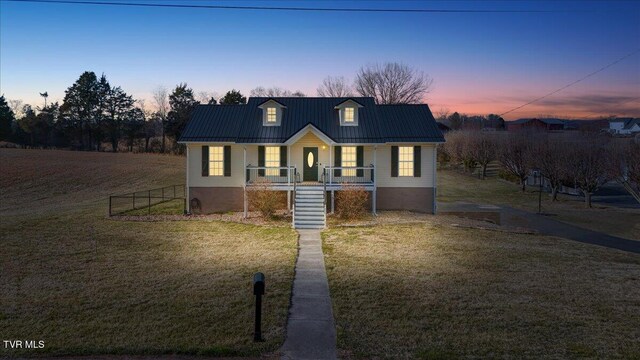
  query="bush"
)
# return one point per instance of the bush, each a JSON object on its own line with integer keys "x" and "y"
{"x": 264, "y": 200}
{"x": 351, "y": 203}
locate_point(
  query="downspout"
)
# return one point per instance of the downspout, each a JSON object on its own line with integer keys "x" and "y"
{"x": 435, "y": 178}
{"x": 187, "y": 188}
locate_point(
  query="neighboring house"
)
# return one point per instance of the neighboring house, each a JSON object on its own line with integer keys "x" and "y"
{"x": 624, "y": 126}
{"x": 536, "y": 124}
{"x": 312, "y": 148}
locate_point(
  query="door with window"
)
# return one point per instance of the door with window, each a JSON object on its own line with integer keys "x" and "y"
{"x": 310, "y": 160}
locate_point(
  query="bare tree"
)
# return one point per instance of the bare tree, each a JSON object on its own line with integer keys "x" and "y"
{"x": 161, "y": 100}
{"x": 548, "y": 156}
{"x": 207, "y": 97}
{"x": 334, "y": 87}
{"x": 16, "y": 106}
{"x": 275, "y": 91}
{"x": 393, "y": 83}
{"x": 481, "y": 147}
{"x": 514, "y": 154}
{"x": 459, "y": 150}
{"x": 624, "y": 165}
{"x": 588, "y": 164}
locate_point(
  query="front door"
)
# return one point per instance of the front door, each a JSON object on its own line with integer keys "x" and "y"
{"x": 310, "y": 160}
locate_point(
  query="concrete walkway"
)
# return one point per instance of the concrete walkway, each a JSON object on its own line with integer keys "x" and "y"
{"x": 311, "y": 331}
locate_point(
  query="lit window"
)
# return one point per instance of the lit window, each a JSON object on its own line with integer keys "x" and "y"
{"x": 348, "y": 160}
{"x": 271, "y": 115}
{"x": 349, "y": 115}
{"x": 405, "y": 161}
{"x": 272, "y": 160}
{"x": 216, "y": 160}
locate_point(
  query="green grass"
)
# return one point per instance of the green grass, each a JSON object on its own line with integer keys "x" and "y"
{"x": 88, "y": 284}
{"x": 454, "y": 186}
{"x": 433, "y": 291}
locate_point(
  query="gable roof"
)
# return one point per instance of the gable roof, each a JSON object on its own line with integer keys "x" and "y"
{"x": 548, "y": 121}
{"x": 377, "y": 123}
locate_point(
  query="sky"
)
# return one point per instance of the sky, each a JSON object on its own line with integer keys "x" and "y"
{"x": 480, "y": 63}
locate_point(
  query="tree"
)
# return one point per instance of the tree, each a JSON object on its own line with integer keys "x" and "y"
{"x": 162, "y": 107}
{"x": 588, "y": 165}
{"x": 7, "y": 117}
{"x": 514, "y": 154}
{"x": 133, "y": 126}
{"x": 233, "y": 97}
{"x": 334, "y": 87}
{"x": 392, "y": 83}
{"x": 481, "y": 147}
{"x": 27, "y": 123}
{"x": 455, "y": 121}
{"x": 45, "y": 95}
{"x": 80, "y": 106}
{"x": 118, "y": 110}
{"x": 550, "y": 159}
{"x": 16, "y": 107}
{"x": 206, "y": 97}
{"x": 495, "y": 121}
{"x": 275, "y": 92}
{"x": 182, "y": 105}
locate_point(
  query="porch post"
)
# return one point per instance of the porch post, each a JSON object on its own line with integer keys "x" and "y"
{"x": 333, "y": 201}
{"x": 245, "y": 200}
{"x": 330, "y": 171}
{"x": 374, "y": 194}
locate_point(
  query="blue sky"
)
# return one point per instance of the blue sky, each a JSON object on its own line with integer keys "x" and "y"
{"x": 480, "y": 62}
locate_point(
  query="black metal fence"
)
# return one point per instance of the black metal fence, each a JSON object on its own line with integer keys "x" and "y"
{"x": 141, "y": 200}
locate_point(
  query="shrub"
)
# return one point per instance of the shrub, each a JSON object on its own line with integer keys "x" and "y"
{"x": 264, "y": 200}
{"x": 351, "y": 202}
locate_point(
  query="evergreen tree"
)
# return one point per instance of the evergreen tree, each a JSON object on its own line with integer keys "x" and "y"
{"x": 182, "y": 104}
{"x": 7, "y": 117}
{"x": 233, "y": 97}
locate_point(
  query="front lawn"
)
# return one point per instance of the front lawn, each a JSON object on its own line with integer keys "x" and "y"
{"x": 436, "y": 291}
{"x": 87, "y": 284}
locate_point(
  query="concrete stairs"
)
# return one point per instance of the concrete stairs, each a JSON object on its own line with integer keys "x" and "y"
{"x": 309, "y": 209}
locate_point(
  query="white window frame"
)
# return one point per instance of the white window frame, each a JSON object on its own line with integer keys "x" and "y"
{"x": 348, "y": 158}
{"x": 216, "y": 160}
{"x": 406, "y": 158}
{"x": 272, "y": 115}
{"x": 272, "y": 160}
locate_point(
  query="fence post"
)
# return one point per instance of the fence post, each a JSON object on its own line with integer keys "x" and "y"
{"x": 149, "y": 194}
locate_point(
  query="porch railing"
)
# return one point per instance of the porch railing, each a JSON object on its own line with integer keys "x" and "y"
{"x": 348, "y": 175}
{"x": 273, "y": 175}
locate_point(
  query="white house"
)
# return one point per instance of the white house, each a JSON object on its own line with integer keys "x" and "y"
{"x": 624, "y": 126}
{"x": 311, "y": 148}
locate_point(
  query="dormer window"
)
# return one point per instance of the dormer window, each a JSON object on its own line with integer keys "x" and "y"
{"x": 272, "y": 111}
{"x": 348, "y": 111}
{"x": 271, "y": 115}
{"x": 349, "y": 115}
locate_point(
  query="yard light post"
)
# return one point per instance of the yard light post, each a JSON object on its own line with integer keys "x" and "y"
{"x": 539, "y": 176}
{"x": 258, "y": 291}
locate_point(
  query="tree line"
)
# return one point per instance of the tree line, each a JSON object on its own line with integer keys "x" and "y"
{"x": 584, "y": 161}
{"x": 96, "y": 115}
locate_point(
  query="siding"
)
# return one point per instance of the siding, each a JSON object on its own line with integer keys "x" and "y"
{"x": 195, "y": 168}
{"x": 383, "y": 172}
{"x": 309, "y": 140}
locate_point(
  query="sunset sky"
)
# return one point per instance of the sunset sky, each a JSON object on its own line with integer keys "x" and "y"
{"x": 481, "y": 62}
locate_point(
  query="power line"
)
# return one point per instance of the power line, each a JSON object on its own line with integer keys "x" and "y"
{"x": 573, "y": 83}
{"x": 278, "y": 8}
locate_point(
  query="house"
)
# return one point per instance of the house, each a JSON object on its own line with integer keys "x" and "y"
{"x": 624, "y": 126}
{"x": 311, "y": 148}
{"x": 548, "y": 124}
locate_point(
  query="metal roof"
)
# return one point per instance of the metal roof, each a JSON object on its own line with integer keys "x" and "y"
{"x": 376, "y": 123}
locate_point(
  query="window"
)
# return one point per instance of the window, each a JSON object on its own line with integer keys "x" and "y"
{"x": 348, "y": 160}
{"x": 272, "y": 160}
{"x": 349, "y": 115}
{"x": 405, "y": 161}
{"x": 216, "y": 160}
{"x": 271, "y": 115}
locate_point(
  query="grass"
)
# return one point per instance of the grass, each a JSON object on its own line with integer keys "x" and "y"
{"x": 87, "y": 284}
{"x": 433, "y": 291}
{"x": 455, "y": 186}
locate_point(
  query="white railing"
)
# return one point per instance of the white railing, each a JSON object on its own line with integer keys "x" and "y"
{"x": 348, "y": 175}
{"x": 273, "y": 175}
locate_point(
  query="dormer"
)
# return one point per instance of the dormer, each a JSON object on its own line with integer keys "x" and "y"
{"x": 348, "y": 111}
{"x": 272, "y": 112}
